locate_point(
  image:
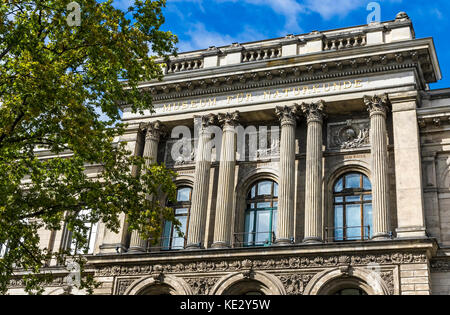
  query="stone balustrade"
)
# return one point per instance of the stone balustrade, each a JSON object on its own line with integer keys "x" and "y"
{"x": 185, "y": 65}
{"x": 294, "y": 45}
{"x": 344, "y": 42}
{"x": 261, "y": 54}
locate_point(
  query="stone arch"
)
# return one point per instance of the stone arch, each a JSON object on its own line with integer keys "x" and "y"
{"x": 237, "y": 283}
{"x": 184, "y": 180}
{"x": 333, "y": 174}
{"x": 242, "y": 188}
{"x": 329, "y": 281}
{"x": 445, "y": 178}
{"x": 164, "y": 285}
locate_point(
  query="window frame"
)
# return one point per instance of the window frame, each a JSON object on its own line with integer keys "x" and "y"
{"x": 175, "y": 206}
{"x": 344, "y": 194}
{"x": 250, "y": 237}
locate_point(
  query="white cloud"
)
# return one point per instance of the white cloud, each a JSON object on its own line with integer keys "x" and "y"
{"x": 200, "y": 37}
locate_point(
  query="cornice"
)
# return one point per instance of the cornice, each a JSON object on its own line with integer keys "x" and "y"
{"x": 291, "y": 74}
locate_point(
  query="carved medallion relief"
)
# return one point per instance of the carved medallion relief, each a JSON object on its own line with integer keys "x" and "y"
{"x": 352, "y": 134}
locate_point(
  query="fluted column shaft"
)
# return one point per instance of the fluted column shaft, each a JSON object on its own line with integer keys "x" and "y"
{"x": 313, "y": 185}
{"x": 225, "y": 192}
{"x": 152, "y": 136}
{"x": 197, "y": 218}
{"x": 285, "y": 223}
{"x": 378, "y": 107}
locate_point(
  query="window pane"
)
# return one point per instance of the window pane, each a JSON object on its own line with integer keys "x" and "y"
{"x": 181, "y": 211}
{"x": 92, "y": 238}
{"x": 338, "y": 223}
{"x": 366, "y": 183}
{"x": 368, "y": 220}
{"x": 274, "y": 221}
{"x": 353, "y": 199}
{"x": 352, "y": 181}
{"x": 253, "y": 192}
{"x": 249, "y": 219}
{"x": 183, "y": 194}
{"x": 338, "y": 186}
{"x": 353, "y": 222}
{"x": 339, "y": 199}
{"x": 263, "y": 205}
{"x": 275, "y": 189}
{"x": 178, "y": 241}
{"x": 265, "y": 188}
{"x": 367, "y": 197}
{"x": 166, "y": 235}
{"x": 275, "y": 204}
{"x": 263, "y": 227}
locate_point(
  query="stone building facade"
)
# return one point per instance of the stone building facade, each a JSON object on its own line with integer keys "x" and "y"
{"x": 348, "y": 191}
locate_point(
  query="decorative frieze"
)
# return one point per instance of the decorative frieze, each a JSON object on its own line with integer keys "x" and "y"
{"x": 295, "y": 74}
{"x": 277, "y": 263}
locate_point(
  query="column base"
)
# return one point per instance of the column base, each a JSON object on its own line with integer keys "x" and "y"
{"x": 220, "y": 245}
{"x": 136, "y": 250}
{"x": 312, "y": 240}
{"x": 283, "y": 242}
{"x": 112, "y": 249}
{"x": 193, "y": 246}
{"x": 382, "y": 237}
{"x": 412, "y": 232}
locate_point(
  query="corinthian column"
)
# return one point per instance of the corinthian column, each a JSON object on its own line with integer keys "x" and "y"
{"x": 378, "y": 107}
{"x": 314, "y": 113}
{"x": 285, "y": 223}
{"x": 153, "y": 132}
{"x": 197, "y": 218}
{"x": 225, "y": 192}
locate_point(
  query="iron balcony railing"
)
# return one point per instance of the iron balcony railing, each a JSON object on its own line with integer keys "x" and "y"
{"x": 347, "y": 233}
{"x": 253, "y": 239}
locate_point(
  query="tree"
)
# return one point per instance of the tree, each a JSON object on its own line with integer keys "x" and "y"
{"x": 60, "y": 90}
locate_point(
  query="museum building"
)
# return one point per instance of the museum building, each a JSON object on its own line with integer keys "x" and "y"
{"x": 314, "y": 164}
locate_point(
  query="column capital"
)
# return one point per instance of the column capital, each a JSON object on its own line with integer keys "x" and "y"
{"x": 153, "y": 130}
{"x": 228, "y": 119}
{"x": 287, "y": 115}
{"x": 206, "y": 120}
{"x": 314, "y": 111}
{"x": 377, "y": 104}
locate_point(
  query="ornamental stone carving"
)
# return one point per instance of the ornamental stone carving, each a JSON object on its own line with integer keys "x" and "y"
{"x": 377, "y": 104}
{"x": 287, "y": 115}
{"x": 314, "y": 111}
{"x": 352, "y": 134}
{"x": 295, "y": 283}
{"x": 229, "y": 119}
{"x": 201, "y": 286}
{"x": 153, "y": 130}
{"x": 233, "y": 265}
{"x": 123, "y": 284}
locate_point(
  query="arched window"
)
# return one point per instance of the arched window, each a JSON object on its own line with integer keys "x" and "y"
{"x": 3, "y": 249}
{"x": 350, "y": 291}
{"x": 352, "y": 201}
{"x": 89, "y": 232}
{"x": 261, "y": 214}
{"x": 171, "y": 239}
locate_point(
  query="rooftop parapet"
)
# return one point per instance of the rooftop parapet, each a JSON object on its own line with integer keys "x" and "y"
{"x": 400, "y": 29}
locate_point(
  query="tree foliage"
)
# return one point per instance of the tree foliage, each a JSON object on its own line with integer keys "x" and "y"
{"x": 60, "y": 90}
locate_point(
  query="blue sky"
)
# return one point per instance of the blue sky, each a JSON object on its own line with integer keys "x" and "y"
{"x": 203, "y": 23}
